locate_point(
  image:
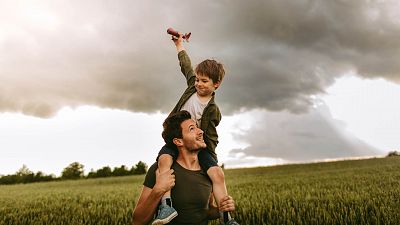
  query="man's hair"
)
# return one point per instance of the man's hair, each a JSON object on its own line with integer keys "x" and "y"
{"x": 212, "y": 69}
{"x": 172, "y": 126}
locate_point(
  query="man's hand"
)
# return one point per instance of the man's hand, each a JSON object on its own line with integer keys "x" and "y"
{"x": 227, "y": 204}
{"x": 164, "y": 181}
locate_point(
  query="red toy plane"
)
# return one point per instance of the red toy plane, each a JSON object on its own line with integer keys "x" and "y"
{"x": 175, "y": 33}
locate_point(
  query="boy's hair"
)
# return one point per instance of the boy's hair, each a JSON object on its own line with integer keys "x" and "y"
{"x": 172, "y": 126}
{"x": 212, "y": 69}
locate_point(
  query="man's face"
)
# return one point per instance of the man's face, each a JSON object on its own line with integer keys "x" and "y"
{"x": 192, "y": 136}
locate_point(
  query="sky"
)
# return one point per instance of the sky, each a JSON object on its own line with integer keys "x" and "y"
{"x": 92, "y": 81}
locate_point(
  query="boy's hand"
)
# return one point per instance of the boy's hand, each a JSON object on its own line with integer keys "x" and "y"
{"x": 227, "y": 204}
{"x": 178, "y": 42}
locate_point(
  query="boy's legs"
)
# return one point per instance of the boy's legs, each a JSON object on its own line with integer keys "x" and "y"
{"x": 216, "y": 174}
{"x": 166, "y": 213}
{"x": 164, "y": 164}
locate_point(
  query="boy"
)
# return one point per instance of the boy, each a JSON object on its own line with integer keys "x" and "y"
{"x": 198, "y": 99}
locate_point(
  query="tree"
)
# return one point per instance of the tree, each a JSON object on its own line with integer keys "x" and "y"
{"x": 104, "y": 172}
{"x": 393, "y": 153}
{"x": 140, "y": 168}
{"x": 24, "y": 175}
{"x": 120, "y": 171}
{"x": 24, "y": 171}
{"x": 73, "y": 171}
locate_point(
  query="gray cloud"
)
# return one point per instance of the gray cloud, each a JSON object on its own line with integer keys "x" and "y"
{"x": 117, "y": 55}
{"x": 304, "y": 137}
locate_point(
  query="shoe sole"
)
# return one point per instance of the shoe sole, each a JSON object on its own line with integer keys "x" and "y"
{"x": 165, "y": 220}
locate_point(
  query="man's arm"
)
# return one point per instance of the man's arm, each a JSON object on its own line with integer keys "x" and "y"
{"x": 146, "y": 206}
{"x": 150, "y": 197}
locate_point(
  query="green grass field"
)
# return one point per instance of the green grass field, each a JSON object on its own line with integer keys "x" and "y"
{"x": 345, "y": 192}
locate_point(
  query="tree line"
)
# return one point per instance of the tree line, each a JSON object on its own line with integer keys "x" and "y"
{"x": 74, "y": 170}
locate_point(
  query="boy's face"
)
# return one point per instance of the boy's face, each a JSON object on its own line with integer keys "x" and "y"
{"x": 204, "y": 85}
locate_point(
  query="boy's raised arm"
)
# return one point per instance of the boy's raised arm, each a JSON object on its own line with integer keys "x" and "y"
{"x": 184, "y": 60}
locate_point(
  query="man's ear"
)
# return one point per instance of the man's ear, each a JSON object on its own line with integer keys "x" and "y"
{"x": 178, "y": 142}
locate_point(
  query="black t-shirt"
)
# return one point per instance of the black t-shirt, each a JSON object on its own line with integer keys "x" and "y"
{"x": 190, "y": 195}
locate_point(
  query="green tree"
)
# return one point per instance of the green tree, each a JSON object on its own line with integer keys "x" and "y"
{"x": 140, "y": 168}
{"x": 73, "y": 171}
{"x": 24, "y": 171}
{"x": 120, "y": 171}
{"x": 104, "y": 172}
{"x": 24, "y": 175}
{"x": 393, "y": 153}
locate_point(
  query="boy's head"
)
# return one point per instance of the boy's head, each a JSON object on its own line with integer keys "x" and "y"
{"x": 211, "y": 69}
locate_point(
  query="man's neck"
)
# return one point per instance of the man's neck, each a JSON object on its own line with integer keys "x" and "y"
{"x": 188, "y": 160}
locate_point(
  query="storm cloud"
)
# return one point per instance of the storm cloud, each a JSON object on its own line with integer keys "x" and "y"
{"x": 277, "y": 53}
{"x": 299, "y": 138}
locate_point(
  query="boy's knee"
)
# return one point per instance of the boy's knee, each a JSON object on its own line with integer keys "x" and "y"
{"x": 165, "y": 161}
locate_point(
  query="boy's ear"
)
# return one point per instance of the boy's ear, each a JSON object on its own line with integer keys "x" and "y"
{"x": 217, "y": 84}
{"x": 178, "y": 142}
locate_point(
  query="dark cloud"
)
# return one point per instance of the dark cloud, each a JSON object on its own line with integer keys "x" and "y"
{"x": 305, "y": 137}
{"x": 277, "y": 53}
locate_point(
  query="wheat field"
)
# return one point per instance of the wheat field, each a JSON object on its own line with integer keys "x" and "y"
{"x": 344, "y": 192}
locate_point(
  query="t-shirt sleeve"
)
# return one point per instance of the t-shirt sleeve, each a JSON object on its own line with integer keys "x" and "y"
{"x": 150, "y": 179}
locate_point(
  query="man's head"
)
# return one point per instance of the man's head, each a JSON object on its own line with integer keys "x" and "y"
{"x": 209, "y": 75}
{"x": 181, "y": 131}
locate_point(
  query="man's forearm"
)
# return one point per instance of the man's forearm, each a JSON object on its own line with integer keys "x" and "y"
{"x": 145, "y": 209}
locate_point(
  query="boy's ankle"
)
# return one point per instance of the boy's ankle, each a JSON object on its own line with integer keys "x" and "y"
{"x": 166, "y": 201}
{"x": 225, "y": 216}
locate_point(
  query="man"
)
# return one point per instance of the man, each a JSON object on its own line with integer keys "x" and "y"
{"x": 192, "y": 193}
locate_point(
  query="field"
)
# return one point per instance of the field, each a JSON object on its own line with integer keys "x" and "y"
{"x": 345, "y": 192}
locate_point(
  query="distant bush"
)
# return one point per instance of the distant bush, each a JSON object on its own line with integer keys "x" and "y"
{"x": 393, "y": 153}
{"x": 73, "y": 171}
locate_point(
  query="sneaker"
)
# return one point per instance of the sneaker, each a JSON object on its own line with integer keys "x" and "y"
{"x": 165, "y": 215}
{"x": 230, "y": 222}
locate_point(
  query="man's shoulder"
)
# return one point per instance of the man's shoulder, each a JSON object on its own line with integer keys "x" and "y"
{"x": 150, "y": 179}
{"x": 153, "y": 167}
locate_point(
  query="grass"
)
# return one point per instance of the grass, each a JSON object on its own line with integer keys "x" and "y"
{"x": 344, "y": 192}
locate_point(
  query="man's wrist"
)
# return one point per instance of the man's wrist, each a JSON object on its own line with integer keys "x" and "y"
{"x": 158, "y": 190}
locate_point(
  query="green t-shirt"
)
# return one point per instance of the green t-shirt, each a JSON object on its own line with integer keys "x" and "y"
{"x": 190, "y": 195}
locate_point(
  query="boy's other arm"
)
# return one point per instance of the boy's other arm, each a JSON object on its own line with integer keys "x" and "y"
{"x": 211, "y": 130}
